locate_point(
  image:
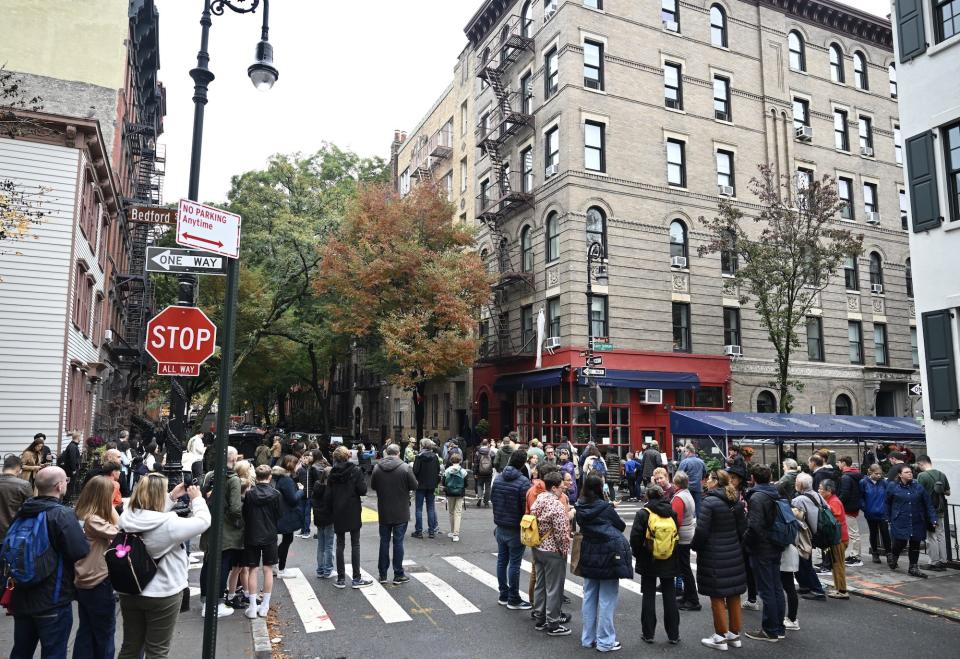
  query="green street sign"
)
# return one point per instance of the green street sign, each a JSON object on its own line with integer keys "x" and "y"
{"x": 603, "y": 347}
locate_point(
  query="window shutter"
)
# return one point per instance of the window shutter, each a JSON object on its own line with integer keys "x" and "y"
{"x": 941, "y": 364}
{"x": 910, "y": 30}
{"x": 922, "y": 170}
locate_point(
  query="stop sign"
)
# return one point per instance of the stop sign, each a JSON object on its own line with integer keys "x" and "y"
{"x": 180, "y": 339}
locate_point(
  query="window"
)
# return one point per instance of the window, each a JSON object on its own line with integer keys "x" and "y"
{"x": 798, "y": 57}
{"x": 593, "y": 4}
{"x": 552, "y": 151}
{"x": 526, "y": 250}
{"x": 914, "y": 347}
{"x": 721, "y": 99}
{"x": 952, "y": 158}
{"x": 549, "y": 9}
{"x": 728, "y": 253}
{"x": 836, "y": 63}
{"x": 841, "y": 136}
{"x": 526, "y": 20}
{"x": 551, "y": 80}
{"x": 463, "y": 176}
{"x": 702, "y": 397}
{"x": 804, "y": 179}
{"x": 904, "y": 212}
{"x": 860, "y": 71}
{"x": 681, "y": 327}
{"x": 845, "y": 192}
{"x": 676, "y": 169}
{"x": 731, "y": 326}
{"x": 526, "y": 326}
{"x": 842, "y": 406}
{"x": 97, "y": 335}
{"x": 553, "y": 237}
{"x": 446, "y": 410}
{"x": 526, "y": 91}
{"x": 880, "y": 355}
{"x": 678, "y": 239}
{"x": 593, "y": 158}
{"x": 766, "y": 402}
{"x": 553, "y": 317}
{"x": 597, "y": 228}
{"x": 593, "y": 65}
{"x": 855, "y": 341}
{"x": 598, "y": 316}
{"x": 718, "y": 26}
{"x": 463, "y": 118}
{"x": 405, "y": 181}
{"x": 947, "y": 18}
{"x": 78, "y": 285}
{"x": 892, "y": 74}
{"x": 670, "y": 15}
{"x": 814, "y": 338}
{"x": 908, "y": 276}
{"x": 801, "y": 112}
{"x": 851, "y": 273}
{"x": 866, "y": 133}
{"x": 435, "y": 411}
{"x": 484, "y": 60}
{"x": 876, "y": 270}
{"x": 484, "y": 194}
{"x": 725, "y": 174}
{"x": 448, "y": 185}
{"x": 526, "y": 168}
{"x": 672, "y": 86}
{"x": 897, "y": 144}
{"x": 870, "y": 197}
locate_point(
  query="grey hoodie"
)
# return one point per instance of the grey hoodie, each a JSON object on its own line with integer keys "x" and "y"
{"x": 393, "y": 480}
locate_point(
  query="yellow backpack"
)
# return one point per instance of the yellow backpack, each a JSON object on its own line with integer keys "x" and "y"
{"x": 530, "y": 531}
{"x": 662, "y": 536}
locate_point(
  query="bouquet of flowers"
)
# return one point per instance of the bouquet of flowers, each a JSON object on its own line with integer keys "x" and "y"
{"x": 95, "y": 441}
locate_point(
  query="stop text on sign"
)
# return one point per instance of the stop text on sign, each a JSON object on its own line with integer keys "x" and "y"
{"x": 181, "y": 338}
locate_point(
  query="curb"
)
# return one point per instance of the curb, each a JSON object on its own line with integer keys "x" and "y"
{"x": 262, "y": 649}
{"x": 949, "y": 614}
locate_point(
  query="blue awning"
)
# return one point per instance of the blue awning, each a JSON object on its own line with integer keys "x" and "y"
{"x": 541, "y": 379}
{"x": 646, "y": 380}
{"x": 796, "y": 427}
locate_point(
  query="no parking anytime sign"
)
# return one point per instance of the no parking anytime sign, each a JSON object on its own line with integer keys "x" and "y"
{"x": 208, "y": 228}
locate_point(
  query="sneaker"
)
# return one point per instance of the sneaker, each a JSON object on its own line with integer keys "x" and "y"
{"x": 673, "y": 641}
{"x": 690, "y": 606}
{"x": 238, "y": 602}
{"x": 431, "y": 535}
{"x": 456, "y": 538}
{"x": 417, "y": 534}
{"x": 646, "y": 640}
{"x": 305, "y": 536}
{"x": 450, "y": 535}
{"x": 286, "y": 574}
{"x": 750, "y": 606}
{"x": 821, "y": 570}
{"x": 340, "y": 583}
{"x": 853, "y": 561}
{"x": 914, "y": 571}
{"x": 876, "y": 558}
{"x": 936, "y": 567}
{"x": 616, "y": 647}
{"x": 384, "y": 578}
{"x": 502, "y": 602}
{"x": 791, "y": 625}
{"x": 223, "y": 610}
{"x": 263, "y": 610}
{"x": 564, "y": 618}
{"x": 838, "y": 595}
{"x": 522, "y": 605}
{"x": 325, "y": 575}
{"x": 559, "y": 630}
{"x": 360, "y": 583}
{"x": 716, "y": 642}
{"x": 401, "y": 579}
{"x": 251, "y": 611}
{"x": 761, "y": 635}
{"x": 733, "y": 640}
{"x": 818, "y": 597}
{"x": 540, "y": 626}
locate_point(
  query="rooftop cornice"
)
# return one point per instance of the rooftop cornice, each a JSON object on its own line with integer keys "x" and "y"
{"x": 486, "y": 17}
{"x": 837, "y": 17}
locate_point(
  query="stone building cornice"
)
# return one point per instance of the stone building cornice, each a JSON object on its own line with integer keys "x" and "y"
{"x": 836, "y": 17}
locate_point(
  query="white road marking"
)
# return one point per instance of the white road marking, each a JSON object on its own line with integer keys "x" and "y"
{"x": 312, "y": 613}
{"x": 445, "y": 593}
{"x": 472, "y": 570}
{"x": 387, "y": 607}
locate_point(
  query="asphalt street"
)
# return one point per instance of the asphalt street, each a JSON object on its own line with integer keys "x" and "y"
{"x": 449, "y": 609}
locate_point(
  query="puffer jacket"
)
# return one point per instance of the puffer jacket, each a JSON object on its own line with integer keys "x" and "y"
{"x": 232, "y": 520}
{"x": 873, "y": 498}
{"x": 345, "y": 485}
{"x": 604, "y": 551}
{"x": 720, "y": 567}
{"x": 261, "y": 510}
{"x": 647, "y": 565}
{"x": 291, "y": 519}
{"x": 508, "y": 496}
{"x": 909, "y": 510}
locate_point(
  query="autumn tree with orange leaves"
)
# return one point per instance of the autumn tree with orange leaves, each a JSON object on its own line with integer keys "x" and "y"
{"x": 400, "y": 279}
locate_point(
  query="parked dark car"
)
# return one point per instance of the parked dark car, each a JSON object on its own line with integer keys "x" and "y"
{"x": 246, "y": 442}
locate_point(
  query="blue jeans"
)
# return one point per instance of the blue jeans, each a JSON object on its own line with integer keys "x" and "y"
{"x": 98, "y": 621}
{"x": 306, "y": 507}
{"x": 697, "y": 496}
{"x": 807, "y": 578}
{"x": 766, "y": 570}
{"x": 426, "y": 495}
{"x": 599, "y": 607}
{"x": 509, "y": 555}
{"x": 325, "y": 537}
{"x": 50, "y": 629}
{"x": 394, "y": 533}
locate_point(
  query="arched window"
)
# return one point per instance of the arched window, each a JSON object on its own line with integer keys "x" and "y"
{"x": 484, "y": 60}
{"x": 526, "y": 20}
{"x": 504, "y": 48}
{"x": 553, "y": 237}
{"x": 728, "y": 253}
{"x": 876, "y": 270}
{"x": 487, "y": 261}
{"x": 718, "y": 26}
{"x": 678, "y": 239}
{"x": 597, "y": 228}
{"x": 836, "y": 63}
{"x": 526, "y": 250}
{"x": 798, "y": 55}
{"x": 843, "y": 406}
{"x": 909, "y": 277}
{"x": 766, "y": 402}
{"x": 892, "y": 73}
{"x": 860, "y": 71}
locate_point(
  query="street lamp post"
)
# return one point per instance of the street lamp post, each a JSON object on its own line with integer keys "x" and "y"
{"x": 594, "y": 253}
{"x": 263, "y": 74}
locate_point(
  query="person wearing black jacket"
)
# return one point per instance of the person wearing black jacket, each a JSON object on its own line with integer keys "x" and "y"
{"x": 850, "y": 498}
{"x": 764, "y": 555}
{"x": 651, "y": 569}
{"x": 291, "y": 493}
{"x": 393, "y": 480}
{"x": 261, "y": 509}
{"x": 70, "y": 457}
{"x": 43, "y": 613}
{"x": 345, "y": 486}
{"x": 426, "y": 469}
{"x": 322, "y": 516}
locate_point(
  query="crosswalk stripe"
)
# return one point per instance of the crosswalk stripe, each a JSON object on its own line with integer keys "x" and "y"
{"x": 445, "y": 593}
{"x": 312, "y": 613}
{"x": 571, "y": 587}
{"x": 380, "y": 599}
{"x": 472, "y": 570}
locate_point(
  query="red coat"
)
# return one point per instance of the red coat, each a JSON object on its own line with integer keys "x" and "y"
{"x": 836, "y": 507}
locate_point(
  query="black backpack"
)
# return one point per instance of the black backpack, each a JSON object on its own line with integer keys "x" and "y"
{"x": 129, "y": 564}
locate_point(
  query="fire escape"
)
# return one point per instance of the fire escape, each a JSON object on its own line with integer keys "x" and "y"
{"x": 510, "y": 191}
{"x": 431, "y": 152}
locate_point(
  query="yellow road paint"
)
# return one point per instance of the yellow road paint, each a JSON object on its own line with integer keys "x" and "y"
{"x": 369, "y": 515}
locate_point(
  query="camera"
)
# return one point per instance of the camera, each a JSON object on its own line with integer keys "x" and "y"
{"x": 187, "y": 482}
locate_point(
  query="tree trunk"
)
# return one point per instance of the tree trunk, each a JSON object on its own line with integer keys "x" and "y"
{"x": 282, "y": 409}
{"x": 783, "y": 379}
{"x": 315, "y": 386}
{"x": 419, "y": 408}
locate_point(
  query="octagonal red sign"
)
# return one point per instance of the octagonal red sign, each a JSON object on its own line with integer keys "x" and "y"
{"x": 180, "y": 339}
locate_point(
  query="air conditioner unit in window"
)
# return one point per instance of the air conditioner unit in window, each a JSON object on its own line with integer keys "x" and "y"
{"x": 551, "y": 170}
{"x": 866, "y": 151}
{"x": 671, "y": 26}
{"x": 591, "y": 83}
{"x": 876, "y": 288}
{"x": 804, "y": 133}
{"x": 653, "y": 397}
{"x": 721, "y": 115}
{"x": 672, "y": 103}
{"x": 551, "y": 343}
{"x": 873, "y": 217}
{"x": 732, "y": 351}
{"x": 108, "y": 336}
{"x": 725, "y": 190}
{"x": 678, "y": 262}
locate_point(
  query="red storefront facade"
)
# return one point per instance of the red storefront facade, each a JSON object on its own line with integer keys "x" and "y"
{"x": 552, "y": 403}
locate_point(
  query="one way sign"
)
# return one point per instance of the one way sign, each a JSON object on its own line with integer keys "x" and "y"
{"x": 174, "y": 261}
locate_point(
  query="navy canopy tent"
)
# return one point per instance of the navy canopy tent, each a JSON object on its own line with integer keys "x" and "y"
{"x": 779, "y": 428}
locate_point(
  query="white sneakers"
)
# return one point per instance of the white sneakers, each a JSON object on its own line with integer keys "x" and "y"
{"x": 791, "y": 625}
{"x": 750, "y": 606}
{"x": 222, "y": 610}
{"x": 716, "y": 642}
{"x": 456, "y": 538}
{"x": 450, "y": 535}
{"x": 285, "y": 574}
{"x": 253, "y": 611}
{"x": 733, "y": 640}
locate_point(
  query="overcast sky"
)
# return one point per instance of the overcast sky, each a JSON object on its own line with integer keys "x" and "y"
{"x": 350, "y": 73}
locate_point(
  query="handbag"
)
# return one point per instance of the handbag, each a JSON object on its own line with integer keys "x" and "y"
{"x": 575, "y": 545}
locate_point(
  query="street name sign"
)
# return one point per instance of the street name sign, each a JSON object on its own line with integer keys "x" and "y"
{"x": 173, "y": 261}
{"x": 593, "y": 372}
{"x": 208, "y": 228}
{"x": 603, "y": 347}
{"x": 157, "y": 215}
{"x": 180, "y": 339}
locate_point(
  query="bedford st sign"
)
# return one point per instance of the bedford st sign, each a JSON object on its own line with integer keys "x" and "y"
{"x": 151, "y": 215}
{"x": 208, "y": 228}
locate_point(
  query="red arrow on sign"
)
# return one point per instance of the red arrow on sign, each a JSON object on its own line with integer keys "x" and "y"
{"x": 203, "y": 240}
